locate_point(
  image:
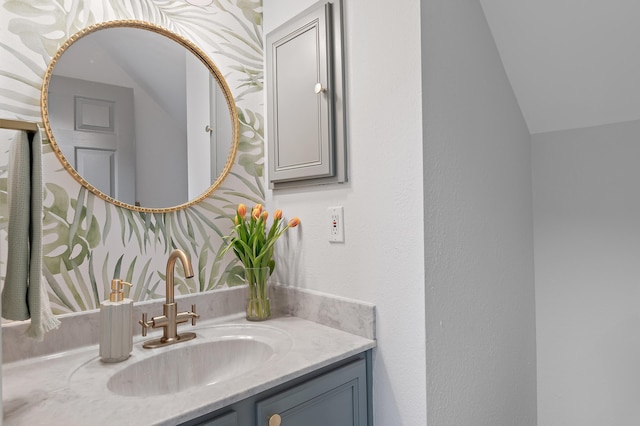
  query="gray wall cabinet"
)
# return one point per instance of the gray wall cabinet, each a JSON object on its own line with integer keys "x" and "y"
{"x": 337, "y": 395}
{"x": 305, "y": 96}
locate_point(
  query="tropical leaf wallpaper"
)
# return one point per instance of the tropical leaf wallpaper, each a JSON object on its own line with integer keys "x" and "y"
{"x": 88, "y": 241}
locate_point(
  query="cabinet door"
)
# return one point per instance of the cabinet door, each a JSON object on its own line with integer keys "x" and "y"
{"x": 338, "y": 398}
{"x": 301, "y": 144}
{"x": 229, "y": 419}
{"x": 305, "y": 99}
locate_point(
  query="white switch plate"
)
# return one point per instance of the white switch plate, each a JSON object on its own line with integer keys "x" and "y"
{"x": 336, "y": 224}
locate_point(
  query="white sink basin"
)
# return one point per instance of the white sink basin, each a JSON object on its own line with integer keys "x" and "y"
{"x": 217, "y": 354}
{"x": 181, "y": 368}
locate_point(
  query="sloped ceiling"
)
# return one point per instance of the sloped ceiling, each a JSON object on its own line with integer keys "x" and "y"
{"x": 571, "y": 63}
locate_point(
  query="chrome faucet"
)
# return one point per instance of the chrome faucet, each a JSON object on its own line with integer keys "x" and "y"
{"x": 171, "y": 318}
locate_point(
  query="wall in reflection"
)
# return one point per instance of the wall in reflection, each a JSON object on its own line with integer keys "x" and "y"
{"x": 158, "y": 155}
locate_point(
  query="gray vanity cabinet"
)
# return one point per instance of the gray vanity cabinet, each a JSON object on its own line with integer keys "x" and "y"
{"x": 337, "y": 395}
{"x": 305, "y": 97}
{"x": 338, "y": 398}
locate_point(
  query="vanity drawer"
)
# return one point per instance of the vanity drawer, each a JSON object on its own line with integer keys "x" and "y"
{"x": 337, "y": 398}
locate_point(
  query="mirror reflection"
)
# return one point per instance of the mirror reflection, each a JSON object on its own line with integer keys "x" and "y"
{"x": 140, "y": 117}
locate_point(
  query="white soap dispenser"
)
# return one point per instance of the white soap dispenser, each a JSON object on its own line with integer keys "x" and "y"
{"x": 116, "y": 330}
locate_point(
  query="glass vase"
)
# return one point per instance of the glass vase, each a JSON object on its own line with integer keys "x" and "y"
{"x": 258, "y": 306}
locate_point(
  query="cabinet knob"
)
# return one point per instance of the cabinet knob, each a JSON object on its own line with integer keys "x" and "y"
{"x": 319, "y": 89}
{"x": 275, "y": 420}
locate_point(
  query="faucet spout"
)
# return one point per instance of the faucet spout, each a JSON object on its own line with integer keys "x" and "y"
{"x": 171, "y": 264}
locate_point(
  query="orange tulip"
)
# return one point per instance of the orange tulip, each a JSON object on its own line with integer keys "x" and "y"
{"x": 294, "y": 222}
{"x": 257, "y": 210}
{"x": 256, "y": 229}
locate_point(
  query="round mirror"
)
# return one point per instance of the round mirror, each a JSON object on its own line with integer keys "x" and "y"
{"x": 140, "y": 116}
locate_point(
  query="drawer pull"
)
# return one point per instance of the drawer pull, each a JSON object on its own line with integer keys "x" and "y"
{"x": 275, "y": 420}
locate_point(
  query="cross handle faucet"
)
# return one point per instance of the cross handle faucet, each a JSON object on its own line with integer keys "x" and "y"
{"x": 170, "y": 318}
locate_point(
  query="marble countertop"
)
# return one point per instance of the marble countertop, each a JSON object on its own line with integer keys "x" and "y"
{"x": 70, "y": 387}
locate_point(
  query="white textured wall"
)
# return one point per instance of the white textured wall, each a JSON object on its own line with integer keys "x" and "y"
{"x": 480, "y": 317}
{"x": 382, "y": 259}
{"x": 587, "y": 251}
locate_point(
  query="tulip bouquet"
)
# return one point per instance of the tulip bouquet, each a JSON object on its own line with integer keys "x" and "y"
{"x": 253, "y": 242}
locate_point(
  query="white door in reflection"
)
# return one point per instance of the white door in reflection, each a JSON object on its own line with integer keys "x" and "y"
{"x": 95, "y": 131}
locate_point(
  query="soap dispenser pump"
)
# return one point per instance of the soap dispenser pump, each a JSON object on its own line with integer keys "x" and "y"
{"x": 116, "y": 329}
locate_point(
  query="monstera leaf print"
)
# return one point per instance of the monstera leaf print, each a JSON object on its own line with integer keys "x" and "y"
{"x": 88, "y": 241}
{"x": 70, "y": 234}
